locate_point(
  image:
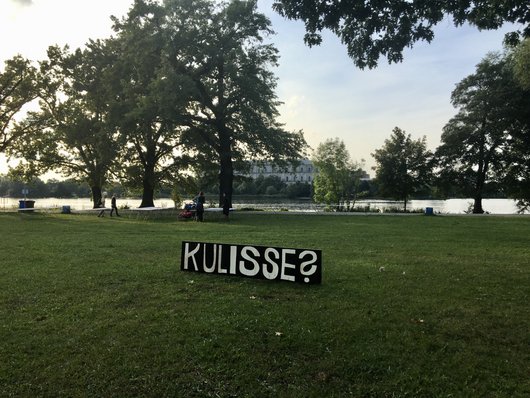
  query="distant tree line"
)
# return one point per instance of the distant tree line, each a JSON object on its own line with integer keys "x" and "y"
{"x": 73, "y": 188}
{"x": 53, "y": 188}
{"x": 273, "y": 185}
{"x": 270, "y": 186}
{"x": 40, "y": 189}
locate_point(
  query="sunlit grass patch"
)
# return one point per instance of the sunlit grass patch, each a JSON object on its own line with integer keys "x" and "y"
{"x": 409, "y": 306}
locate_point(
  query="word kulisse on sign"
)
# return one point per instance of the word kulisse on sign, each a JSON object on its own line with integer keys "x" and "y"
{"x": 273, "y": 263}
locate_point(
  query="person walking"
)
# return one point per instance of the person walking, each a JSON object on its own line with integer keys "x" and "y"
{"x": 199, "y": 207}
{"x": 113, "y": 206}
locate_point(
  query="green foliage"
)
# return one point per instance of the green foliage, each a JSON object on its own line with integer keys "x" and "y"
{"x": 18, "y": 87}
{"x": 152, "y": 94}
{"x": 338, "y": 177}
{"x": 98, "y": 307}
{"x": 272, "y": 183}
{"x": 298, "y": 190}
{"x": 404, "y": 166}
{"x": 521, "y": 57}
{"x": 516, "y": 179}
{"x": 246, "y": 187}
{"x": 72, "y": 133}
{"x": 182, "y": 86}
{"x": 39, "y": 189}
{"x": 374, "y": 29}
{"x": 234, "y": 113}
{"x": 194, "y": 77}
{"x": 271, "y": 190}
{"x": 275, "y": 186}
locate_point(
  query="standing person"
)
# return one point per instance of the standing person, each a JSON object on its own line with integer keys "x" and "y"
{"x": 113, "y": 205}
{"x": 200, "y": 206}
{"x": 226, "y": 206}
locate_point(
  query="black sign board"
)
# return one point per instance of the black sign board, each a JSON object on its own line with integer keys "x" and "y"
{"x": 263, "y": 262}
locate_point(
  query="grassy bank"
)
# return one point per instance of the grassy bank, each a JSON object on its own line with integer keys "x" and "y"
{"x": 409, "y": 306}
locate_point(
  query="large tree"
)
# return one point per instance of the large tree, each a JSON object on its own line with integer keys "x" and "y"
{"x": 404, "y": 166}
{"x": 338, "y": 177}
{"x": 371, "y": 29}
{"x": 72, "y": 132}
{"x": 233, "y": 113}
{"x": 151, "y": 96}
{"x": 480, "y": 142}
{"x": 18, "y": 87}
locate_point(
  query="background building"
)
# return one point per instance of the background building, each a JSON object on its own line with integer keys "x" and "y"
{"x": 303, "y": 172}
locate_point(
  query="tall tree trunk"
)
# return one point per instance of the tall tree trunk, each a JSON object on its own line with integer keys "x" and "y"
{"x": 226, "y": 173}
{"x": 96, "y": 178}
{"x": 477, "y": 205}
{"x": 477, "y": 197}
{"x": 148, "y": 193}
{"x": 96, "y": 194}
{"x": 481, "y": 176}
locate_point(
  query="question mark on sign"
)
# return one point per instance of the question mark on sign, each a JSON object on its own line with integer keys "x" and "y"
{"x": 308, "y": 268}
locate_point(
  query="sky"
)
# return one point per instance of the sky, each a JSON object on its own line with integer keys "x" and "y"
{"x": 323, "y": 92}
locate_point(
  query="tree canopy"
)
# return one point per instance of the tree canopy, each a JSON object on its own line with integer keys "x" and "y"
{"x": 151, "y": 95}
{"x": 18, "y": 87}
{"x": 233, "y": 113}
{"x": 71, "y": 131}
{"x": 195, "y": 76}
{"x": 481, "y": 142}
{"x": 338, "y": 177}
{"x": 404, "y": 166}
{"x": 521, "y": 63}
{"x": 371, "y": 29}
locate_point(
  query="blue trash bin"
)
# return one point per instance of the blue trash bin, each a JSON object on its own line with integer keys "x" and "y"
{"x": 21, "y": 204}
{"x": 429, "y": 211}
{"x": 66, "y": 210}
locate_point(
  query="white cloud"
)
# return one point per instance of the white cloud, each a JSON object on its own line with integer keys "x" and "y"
{"x": 294, "y": 105}
{"x": 23, "y": 3}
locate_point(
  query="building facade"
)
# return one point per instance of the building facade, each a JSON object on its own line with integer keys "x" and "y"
{"x": 304, "y": 172}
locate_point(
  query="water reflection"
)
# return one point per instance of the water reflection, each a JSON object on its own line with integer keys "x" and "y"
{"x": 450, "y": 206}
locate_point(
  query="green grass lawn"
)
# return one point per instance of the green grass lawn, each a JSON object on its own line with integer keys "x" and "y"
{"x": 99, "y": 307}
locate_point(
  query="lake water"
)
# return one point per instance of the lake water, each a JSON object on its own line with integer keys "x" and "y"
{"x": 450, "y": 206}
{"x": 79, "y": 203}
